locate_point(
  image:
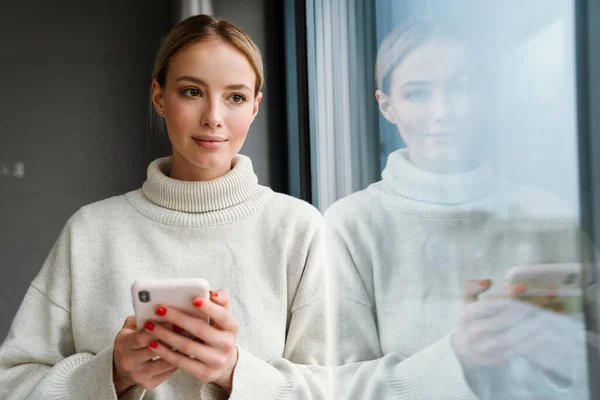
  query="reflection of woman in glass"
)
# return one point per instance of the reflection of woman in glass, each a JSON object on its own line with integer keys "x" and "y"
{"x": 434, "y": 231}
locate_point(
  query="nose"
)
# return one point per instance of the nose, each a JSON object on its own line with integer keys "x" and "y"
{"x": 211, "y": 116}
{"x": 440, "y": 107}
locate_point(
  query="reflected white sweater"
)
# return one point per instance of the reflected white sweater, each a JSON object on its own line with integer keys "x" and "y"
{"x": 400, "y": 254}
{"x": 264, "y": 248}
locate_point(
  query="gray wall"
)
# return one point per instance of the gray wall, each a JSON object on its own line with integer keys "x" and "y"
{"x": 73, "y": 112}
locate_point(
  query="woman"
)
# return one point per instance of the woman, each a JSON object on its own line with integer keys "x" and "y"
{"x": 200, "y": 213}
{"x": 440, "y": 227}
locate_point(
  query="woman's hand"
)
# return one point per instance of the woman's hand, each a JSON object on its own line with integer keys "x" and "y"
{"x": 133, "y": 364}
{"x": 213, "y": 355}
{"x": 491, "y": 329}
{"x": 501, "y": 328}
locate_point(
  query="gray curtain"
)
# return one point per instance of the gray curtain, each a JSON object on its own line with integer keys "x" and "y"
{"x": 344, "y": 130}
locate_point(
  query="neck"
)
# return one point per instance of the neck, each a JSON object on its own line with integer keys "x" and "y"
{"x": 183, "y": 170}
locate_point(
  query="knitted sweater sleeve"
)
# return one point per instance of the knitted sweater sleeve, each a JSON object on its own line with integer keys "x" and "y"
{"x": 38, "y": 358}
{"x": 361, "y": 369}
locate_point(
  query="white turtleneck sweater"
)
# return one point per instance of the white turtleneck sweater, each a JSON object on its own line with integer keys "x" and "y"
{"x": 264, "y": 248}
{"x": 400, "y": 254}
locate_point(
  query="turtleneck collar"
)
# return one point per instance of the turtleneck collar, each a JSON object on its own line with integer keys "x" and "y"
{"x": 227, "y": 198}
{"x": 231, "y": 189}
{"x": 406, "y": 179}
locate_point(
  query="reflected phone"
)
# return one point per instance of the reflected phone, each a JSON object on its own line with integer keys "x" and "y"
{"x": 177, "y": 293}
{"x": 561, "y": 280}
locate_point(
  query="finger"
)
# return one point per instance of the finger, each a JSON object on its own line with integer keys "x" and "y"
{"x": 185, "y": 363}
{"x": 218, "y": 314}
{"x": 136, "y": 359}
{"x": 201, "y": 329}
{"x": 522, "y": 311}
{"x": 509, "y": 328}
{"x": 544, "y": 324}
{"x": 494, "y": 303}
{"x": 156, "y": 368}
{"x": 488, "y": 319}
{"x": 136, "y": 363}
{"x": 482, "y": 309}
{"x": 135, "y": 340}
{"x": 204, "y": 353}
{"x": 148, "y": 372}
{"x": 221, "y": 297}
{"x": 529, "y": 340}
{"x": 473, "y": 288}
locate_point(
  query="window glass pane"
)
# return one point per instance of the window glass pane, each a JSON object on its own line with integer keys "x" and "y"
{"x": 459, "y": 268}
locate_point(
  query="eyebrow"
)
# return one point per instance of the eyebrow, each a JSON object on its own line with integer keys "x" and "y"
{"x": 416, "y": 83}
{"x": 456, "y": 77}
{"x": 200, "y": 82}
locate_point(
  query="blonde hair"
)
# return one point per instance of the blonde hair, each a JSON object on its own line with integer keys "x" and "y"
{"x": 200, "y": 28}
{"x": 413, "y": 33}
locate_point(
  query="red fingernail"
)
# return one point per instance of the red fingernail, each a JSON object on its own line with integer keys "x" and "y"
{"x": 198, "y": 303}
{"x": 160, "y": 310}
{"x": 149, "y": 325}
{"x": 176, "y": 328}
{"x": 484, "y": 282}
{"x": 153, "y": 344}
{"x": 214, "y": 294}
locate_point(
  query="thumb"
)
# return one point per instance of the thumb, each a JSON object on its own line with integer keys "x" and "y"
{"x": 130, "y": 323}
{"x": 473, "y": 288}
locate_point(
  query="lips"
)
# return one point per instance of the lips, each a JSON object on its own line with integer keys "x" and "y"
{"x": 208, "y": 138}
{"x": 209, "y": 142}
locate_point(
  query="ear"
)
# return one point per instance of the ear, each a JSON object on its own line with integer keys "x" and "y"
{"x": 255, "y": 107}
{"x": 157, "y": 97}
{"x": 384, "y": 106}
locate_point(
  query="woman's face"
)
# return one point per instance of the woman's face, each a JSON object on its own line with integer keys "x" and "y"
{"x": 430, "y": 101}
{"x": 208, "y": 103}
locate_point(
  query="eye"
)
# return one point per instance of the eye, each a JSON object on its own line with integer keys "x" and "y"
{"x": 237, "y": 98}
{"x": 416, "y": 95}
{"x": 191, "y": 92}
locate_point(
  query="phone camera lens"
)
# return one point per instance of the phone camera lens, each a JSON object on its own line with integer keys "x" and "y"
{"x": 144, "y": 296}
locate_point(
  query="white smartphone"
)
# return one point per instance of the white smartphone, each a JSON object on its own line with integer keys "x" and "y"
{"x": 563, "y": 280}
{"x": 177, "y": 293}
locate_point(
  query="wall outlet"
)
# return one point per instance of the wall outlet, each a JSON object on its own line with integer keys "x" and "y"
{"x": 16, "y": 170}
